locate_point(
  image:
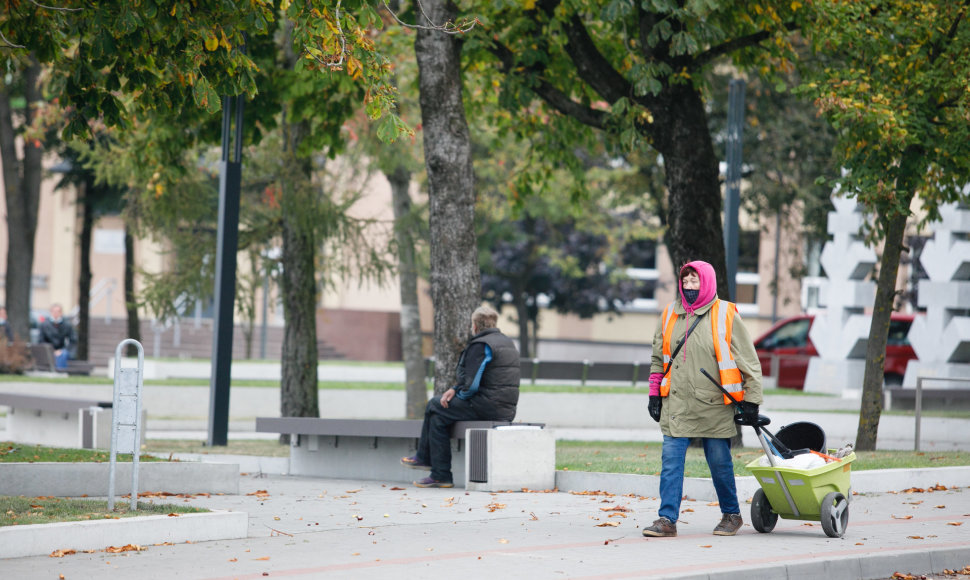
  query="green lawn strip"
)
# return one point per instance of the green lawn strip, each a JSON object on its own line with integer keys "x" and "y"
{"x": 644, "y": 458}
{"x": 262, "y": 447}
{"x": 22, "y": 511}
{"x": 11, "y": 452}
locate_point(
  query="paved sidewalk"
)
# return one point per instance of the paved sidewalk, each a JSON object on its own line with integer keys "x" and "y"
{"x": 315, "y": 528}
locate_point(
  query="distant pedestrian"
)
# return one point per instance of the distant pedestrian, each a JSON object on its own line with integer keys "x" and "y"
{"x": 697, "y": 331}
{"x": 59, "y": 333}
{"x": 487, "y": 389}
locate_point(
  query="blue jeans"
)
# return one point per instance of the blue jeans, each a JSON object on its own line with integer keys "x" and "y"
{"x": 718, "y": 454}
{"x": 60, "y": 360}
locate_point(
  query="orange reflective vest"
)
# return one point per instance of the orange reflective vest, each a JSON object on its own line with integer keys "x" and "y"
{"x": 722, "y": 321}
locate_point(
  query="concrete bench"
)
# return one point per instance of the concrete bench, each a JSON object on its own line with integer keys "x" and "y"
{"x": 372, "y": 448}
{"x": 43, "y": 357}
{"x": 58, "y": 421}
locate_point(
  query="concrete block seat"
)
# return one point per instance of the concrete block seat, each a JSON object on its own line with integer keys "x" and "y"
{"x": 58, "y": 421}
{"x": 372, "y": 449}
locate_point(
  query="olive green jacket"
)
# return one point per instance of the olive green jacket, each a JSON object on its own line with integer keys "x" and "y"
{"x": 694, "y": 406}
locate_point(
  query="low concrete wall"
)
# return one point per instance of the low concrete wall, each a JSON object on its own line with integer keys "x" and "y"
{"x": 91, "y": 479}
{"x": 43, "y": 539}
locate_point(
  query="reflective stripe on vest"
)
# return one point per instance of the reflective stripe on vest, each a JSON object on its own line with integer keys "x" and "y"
{"x": 723, "y": 315}
{"x": 667, "y": 320}
{"x": 722, "y": 321}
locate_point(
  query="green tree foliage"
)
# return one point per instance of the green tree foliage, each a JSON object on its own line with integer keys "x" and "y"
{"x": 636, "y": 70}
{"x": 896, "y": 93}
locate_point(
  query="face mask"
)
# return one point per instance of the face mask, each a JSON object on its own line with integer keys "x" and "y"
{"x": 691, "y": 295}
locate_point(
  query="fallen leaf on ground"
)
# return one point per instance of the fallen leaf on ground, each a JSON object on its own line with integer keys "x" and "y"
{"x": 954, "y": 523}
{"x": 503, "y": 541}
{"x": 617, "y": 515}
{"x": 684, "y": 511}
{"x": 125, "y": 548}
{"x": 233, "y": 559}
{"x": 352, "y": 490}
{"x": 495, "y": 506}
{"x": 619, "y": 508}
{"x": 397, "y": 489}
{"x": 895, "y": 517}
{"x": 260, "y": 493}
{"x": 61, "y": 553}
{"x": 264, "y": 558}
{"x": 705, "y": 546}
{"x": 606, "y": 493}
{"x": 915, "y": 537}
{"x": 608, "y": 525}
{"x": 940, "y": 507}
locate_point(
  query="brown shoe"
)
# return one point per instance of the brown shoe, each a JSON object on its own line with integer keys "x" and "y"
{"x": 730, "y": 524}
{"x": 661, "y": 528}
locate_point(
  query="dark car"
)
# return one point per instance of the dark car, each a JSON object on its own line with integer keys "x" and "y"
{"x": 785, "y": 350}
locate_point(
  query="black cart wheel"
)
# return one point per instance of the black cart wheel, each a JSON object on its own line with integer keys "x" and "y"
{"x": 762, "y": 518}
{"x": 834, "y": 514}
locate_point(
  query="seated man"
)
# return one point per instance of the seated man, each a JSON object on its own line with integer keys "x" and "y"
{"x": 487, "y": 390}
{"x": 59, "y": 333}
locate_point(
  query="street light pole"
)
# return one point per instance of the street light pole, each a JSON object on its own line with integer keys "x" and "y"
{"x": 230, "y": 181}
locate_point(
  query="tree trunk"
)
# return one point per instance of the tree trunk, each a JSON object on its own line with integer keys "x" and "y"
{"x": 131, "y": 303}
{"x": 455, "y": 277}
{"x": 694, "y": 230}
{"x": 21, "y": 180}
{"x": 416, "y": 389}
{"x": 872, "y": 384}
{"x": 84, "y": 276}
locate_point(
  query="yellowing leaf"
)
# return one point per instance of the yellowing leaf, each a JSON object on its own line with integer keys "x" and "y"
{"x": 211, "y": 43}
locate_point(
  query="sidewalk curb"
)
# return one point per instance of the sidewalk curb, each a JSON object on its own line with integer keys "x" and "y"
{"x": 91, "y": 479}
{"x": 701, "y": 488}
{"x": 42, "y": 539}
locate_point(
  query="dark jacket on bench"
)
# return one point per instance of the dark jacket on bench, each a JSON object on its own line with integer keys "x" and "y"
{"x": 488, "y": 373}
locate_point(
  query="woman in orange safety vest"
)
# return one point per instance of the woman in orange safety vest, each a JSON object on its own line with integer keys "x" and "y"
{"x": 711, "y": 336}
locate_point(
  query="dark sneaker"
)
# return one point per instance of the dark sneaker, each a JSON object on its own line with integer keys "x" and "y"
{"x": 730, "y": 524}
{"x": 428, "y": 482}
{"x": 662, "y": 528}
{"x": 414, "y": 463}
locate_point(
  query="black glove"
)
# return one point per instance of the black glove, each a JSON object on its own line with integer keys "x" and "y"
{"x": 748, "y": 414}
{"x": 654, "y": 406}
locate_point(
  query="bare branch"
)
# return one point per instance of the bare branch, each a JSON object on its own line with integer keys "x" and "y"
{"x": 39, "y": 5}
{"x": 447, "y": 27}
{"x": 9, "y": 44}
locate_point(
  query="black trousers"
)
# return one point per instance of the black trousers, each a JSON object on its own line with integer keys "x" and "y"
{"x": 434, "y": 447}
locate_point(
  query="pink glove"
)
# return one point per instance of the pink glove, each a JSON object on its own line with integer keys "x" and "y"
{"x": 655, "y": 379}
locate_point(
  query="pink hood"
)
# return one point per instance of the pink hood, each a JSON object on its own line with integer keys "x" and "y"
{"x": 708, "y": 290}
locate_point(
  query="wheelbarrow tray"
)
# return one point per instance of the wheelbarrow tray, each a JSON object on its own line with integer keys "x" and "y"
{"x": 797, "y": 494}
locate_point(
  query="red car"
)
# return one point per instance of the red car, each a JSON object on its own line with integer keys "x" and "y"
{"x": 787, "y": 346}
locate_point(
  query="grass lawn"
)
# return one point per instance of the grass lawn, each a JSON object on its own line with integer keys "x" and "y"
{"x": 11, "y": 452}
{"x": 263, "y": 447}
{"x": 644, "y": 458}
{"x": 603, "y": 456}
{"x": 22, "y": 511}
